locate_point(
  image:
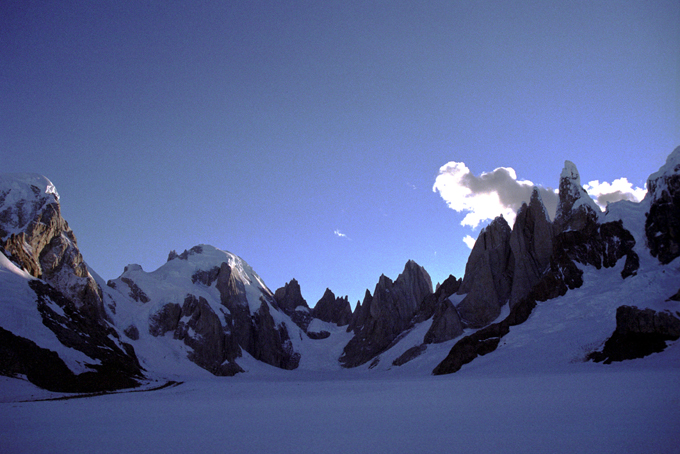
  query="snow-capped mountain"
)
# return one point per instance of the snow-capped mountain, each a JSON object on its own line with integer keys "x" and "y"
{"x": 207, "y": 305}
{"x": 54, "y": 329}
{"x": 588, "y": 285}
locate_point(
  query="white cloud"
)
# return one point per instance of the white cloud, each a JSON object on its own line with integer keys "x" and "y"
{"x": 338, "y": 233}
{"x": 469, "y": 241}
{"x": 620, "y": 189}
{"x": 488, "y": 195}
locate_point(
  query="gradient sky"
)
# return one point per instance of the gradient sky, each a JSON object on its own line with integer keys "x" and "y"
{"x": 306, "y": 137}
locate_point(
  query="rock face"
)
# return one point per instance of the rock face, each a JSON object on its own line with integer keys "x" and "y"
{"x": 531, "y": 243}
{"x": 662, "y": 226}
{"x": 386, "y": 314}
{"x": 289, "y": 297}
{"x": 290, "y": 301}
{"x": 488, "y": 275}
{"x": 446, "y": 323}
{"x": 333, "y": 310}
{"x": 63, "y": 296}
{"x": 35, "y": 237}
{"x": 639, "y": 332}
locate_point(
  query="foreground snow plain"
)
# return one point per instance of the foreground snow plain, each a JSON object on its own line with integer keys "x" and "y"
{"x": 621, "y": 408}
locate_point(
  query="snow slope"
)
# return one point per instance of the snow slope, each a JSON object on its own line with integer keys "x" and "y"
{"x": 19, "y": 314}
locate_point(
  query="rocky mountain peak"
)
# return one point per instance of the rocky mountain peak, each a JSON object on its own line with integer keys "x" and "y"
{"x": 289, "y": 297}
{"x": 488, "y": 275}
{"x": 34, "y": 235}
{"x": 333, "y": 309}
{"x": 575, "y": 208}
{"x": 381, "y": 318}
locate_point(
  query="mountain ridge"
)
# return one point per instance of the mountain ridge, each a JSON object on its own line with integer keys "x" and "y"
{"x": 207, "y": 310}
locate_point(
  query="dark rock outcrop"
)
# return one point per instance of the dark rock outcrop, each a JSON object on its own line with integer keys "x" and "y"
{"x": 135, "y": 292}
{"x": 206, "y": 277}
{"x": 531, "y": 243}
{"x": 638, "y": 333}
{"x": 386, "y": 314}
{"x": 165, "y": 320}
{"x": 114, "y": 363}
{"x": 289, "y": 299}
{"x": 333, "y": 310}
{"x": 446, "y": 324}
{"x": 409, "y": 355}
{"x": 488, "y": 275}
{"x": 256, "y": 333}
{"x": 662, "y": 226}
{"x": 486, "y": 340}
{"x": 196, "y": 324}
{"x": 37, "y": 239}
{"x": 200, "y": 329}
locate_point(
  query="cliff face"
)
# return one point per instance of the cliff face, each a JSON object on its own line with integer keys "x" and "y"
{"x": 61, "y": 296}
{"x": 662, "y": 227}
{"x": 387, "y": 313}
{"x": 488, "y": 275}
{"x": 34, "y": 235}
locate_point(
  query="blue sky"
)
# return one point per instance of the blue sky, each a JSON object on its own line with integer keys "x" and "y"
{"x": 306, "y": 137}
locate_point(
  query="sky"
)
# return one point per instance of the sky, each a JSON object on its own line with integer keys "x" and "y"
{"x": 331, "y": 141}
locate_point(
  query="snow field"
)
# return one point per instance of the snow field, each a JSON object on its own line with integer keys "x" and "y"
{"x": 609, "y": 410}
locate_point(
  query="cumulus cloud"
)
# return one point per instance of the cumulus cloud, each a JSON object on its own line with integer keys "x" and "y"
{"x": 620, "y": 189}
{"x": 488, "y": 195}
{"x": 339, "y": 234}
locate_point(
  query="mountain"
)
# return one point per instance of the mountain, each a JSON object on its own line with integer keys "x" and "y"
{"x": 55, "y": 329}
{"x": 586, "y": 286}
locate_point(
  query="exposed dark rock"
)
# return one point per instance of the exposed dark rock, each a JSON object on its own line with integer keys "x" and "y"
{"x": 361, "y": 313}
{"x": 486, "y": 340}
{"x": 675, "y": 297}
{"x": 430, "y": 303}
{"x": 409, "y": 354}
{"x": 386, "y": 314}
{"x": 135, "y": 292}
{"x": 638, "y": 333}
{"x": 132, "y": 332}
{"x": 289, "y": 299}
{"x": 116, "y": 364}
{"x": 272, "y": 344}
{"x": 333, "y": 310}
{"x": 317, "y": 336}
{"x": 42, "y": 367}
{"x": 47, "y": 249}
{"x": 531, "y": 243}
{"x": 576, "y": 210}
{"x": 446, "y": 324}
{"x": 488, "y": 275}
{"x": 662, "y": 226}
{"x": 185, "y": 255}
{"x": 232, "y": 290}
{"x": 206, "y": 277}
{"x": 256, "y": 333}
{"x": 165, "y": 320}
{"x": 200, "y": 329}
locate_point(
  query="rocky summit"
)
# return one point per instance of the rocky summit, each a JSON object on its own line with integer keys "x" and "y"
{"x": 207, "y": 312}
